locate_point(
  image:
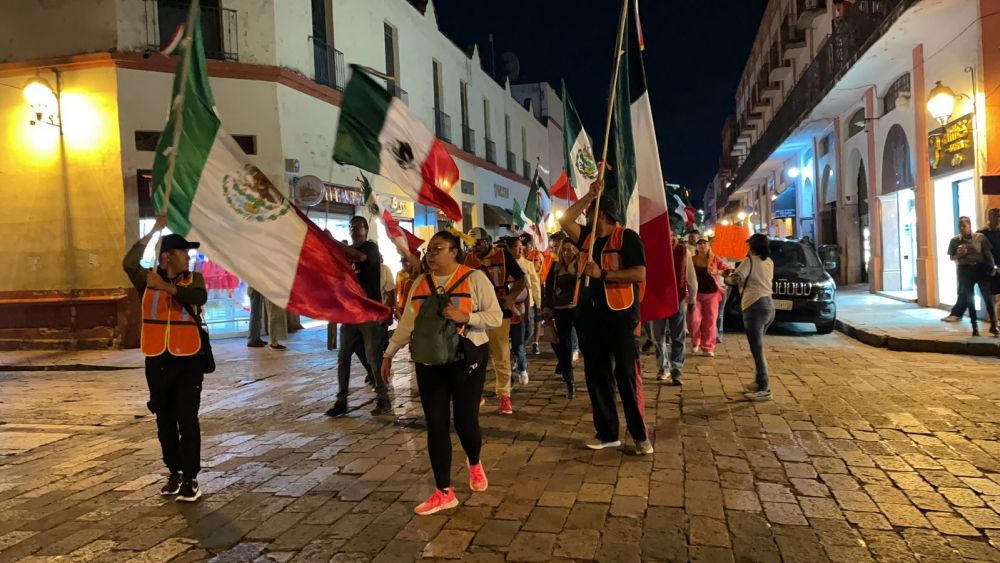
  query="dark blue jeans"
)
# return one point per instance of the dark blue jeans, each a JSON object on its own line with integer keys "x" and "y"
{"x": 756, "y": 320}
{"x": 668, "y": 337}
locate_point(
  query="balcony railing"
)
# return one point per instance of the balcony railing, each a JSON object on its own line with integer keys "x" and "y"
{"x": 219, "y": 27}
{"x": 329, "y": 62}
{"x": 442, "y": 125}
{"x": 491, "y": 151}
{"x": 853, "y": 35}
{"x": 398, "y": 92}
{"x": 526, "y": 169}
{"x": 468, "y": 140}
{"x": 511, "y": 162}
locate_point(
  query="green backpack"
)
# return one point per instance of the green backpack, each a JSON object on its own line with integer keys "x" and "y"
{"x": 435, "y": 340}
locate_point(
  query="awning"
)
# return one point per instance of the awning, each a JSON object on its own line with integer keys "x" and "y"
{"x": 784, "y": 206}
{"x": 495, "y": 216}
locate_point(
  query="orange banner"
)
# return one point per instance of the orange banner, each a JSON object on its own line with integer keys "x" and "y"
{"x": 730, "y": 241}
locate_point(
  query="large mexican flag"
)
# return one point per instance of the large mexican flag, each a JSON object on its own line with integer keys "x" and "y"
{"x": 578, "y": 152}
{"x": 378, "y": 133}
{"x": 242, "y": 221}
{"x": 636, "y": 178}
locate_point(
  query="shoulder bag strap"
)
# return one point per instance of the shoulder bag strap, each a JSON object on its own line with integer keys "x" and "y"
{"x": 458, "y": 282}
{"x": 750, "y": 273}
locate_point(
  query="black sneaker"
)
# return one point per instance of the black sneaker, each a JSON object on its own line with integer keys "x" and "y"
{"x": 381, "y": 408}
{"x": 279, "y": 347}
{"x": 190, "y": 491}
{"x": 172, "y": 486}
{"x": 570, "y": 390}
{"x": 534, "y": 349}
{"x": 338, "y": 409}
{"x": 675, "y": 377}
{"x": 256, "y": 344}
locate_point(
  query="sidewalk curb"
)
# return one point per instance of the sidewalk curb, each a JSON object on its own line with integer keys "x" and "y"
{"x": 881, "y": 339}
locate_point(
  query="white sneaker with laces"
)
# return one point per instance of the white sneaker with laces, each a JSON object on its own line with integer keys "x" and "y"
{"x": 643, "y": 448}
{"x": 596, "y": 444}
{"x": 757, "y": 396}
{"x": 524, "y": 377}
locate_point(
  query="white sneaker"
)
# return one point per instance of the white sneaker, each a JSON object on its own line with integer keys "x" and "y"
{"x": 951, "y": 319}
{"x": 709, "y": 353}
{"x": 576, "y": 356}
{"x": 596, "y": 444}
{"x": 524, "y": 377}
{"x": 643, "y": 448}
{"x": 661, "y": 375}
{"x": 757, "y": 396}
{"x": 697, "y": 350}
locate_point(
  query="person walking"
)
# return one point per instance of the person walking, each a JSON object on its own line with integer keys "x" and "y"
{"x": 608, "y": 313}
{"x": 527, "y": 321}
{"x": 171, "y": 341}
{"x": 704, "y": 319}
{"x": 754, "y": 277}
{"x": 277, "y": 325}
{"x": 992, "y": 233}
{"x": 973, "y": 257}
{"x": 668, "y": 333}
{"x": 255, "y": 326}
{"x": 559, "y": 307}
{"x": 457, "y": 385}
{"x": 367, "y": 259}
{"x": 508, "y": 281}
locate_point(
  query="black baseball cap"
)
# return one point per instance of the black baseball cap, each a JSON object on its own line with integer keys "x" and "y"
{"x": 176, "y": 242}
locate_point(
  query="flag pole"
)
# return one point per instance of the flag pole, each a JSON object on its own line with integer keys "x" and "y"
{"x": 607, "y": 129}
{"x": 178, "y": 108}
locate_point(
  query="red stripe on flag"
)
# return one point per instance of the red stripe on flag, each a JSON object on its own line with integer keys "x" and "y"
{"x": 391, "y": 226}
{"x": 640, "y": 395}
{"x": 562, "y": 189}
{"x": 326, "y": 286}
{"x": 660, "y": 300}
{"x": 440, "y": 173}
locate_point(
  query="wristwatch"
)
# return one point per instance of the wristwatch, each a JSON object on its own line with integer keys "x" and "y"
{"x": 604, "y": 274}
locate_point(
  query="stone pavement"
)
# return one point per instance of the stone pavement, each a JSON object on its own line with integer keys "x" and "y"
{"x": 908, "y": 327}
{"x": 865, "y": 454}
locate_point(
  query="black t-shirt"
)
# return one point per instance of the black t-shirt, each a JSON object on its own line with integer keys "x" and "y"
{"x": 369, "y": 271}
{"x": 593, "y": 298}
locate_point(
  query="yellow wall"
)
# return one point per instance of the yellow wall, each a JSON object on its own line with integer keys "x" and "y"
{"x": 61, "y": 217}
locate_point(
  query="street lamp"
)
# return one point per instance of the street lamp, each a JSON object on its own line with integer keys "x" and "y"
{"x": 794, "y": 172}
{"x": 44, "y": 102}
{"x": 941, "y": 103}
{"x": 742, "y": 215}
{"x": 725, "y": 222}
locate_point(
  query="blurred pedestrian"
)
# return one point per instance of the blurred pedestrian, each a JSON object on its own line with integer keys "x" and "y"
{"x": 559, "y": 302}
{"x": 992, "y": 234}
{"x": 754, "y": 277}
{"x": 668, "y": 334}
{"x": 255, "y": 326}
{"x": 524, "y": 329}
{"x": 703, "y": 322}
{"x": 277, "y": 325}
{"x": 973, "y": 257}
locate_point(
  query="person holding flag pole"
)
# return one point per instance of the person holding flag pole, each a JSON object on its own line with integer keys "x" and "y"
{"x": 613, "y": 257}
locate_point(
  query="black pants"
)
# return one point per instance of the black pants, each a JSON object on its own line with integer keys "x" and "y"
{"x": 457, "y": 386}
{"x": 564, "y": 348}
{"x": 370, "y": 336}
{"x": 969, "y": 276}
{"x": 610, "y": 357}
{"x": 174, "y": 397}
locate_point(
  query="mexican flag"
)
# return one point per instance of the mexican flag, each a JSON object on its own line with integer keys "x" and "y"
{"x": 636, "y": 178}
{"x": 520, "y": 220}
{"x": 536, "y": 211}
{"x": 243, "y": 222}
{"x": 396, "y": 233}
{"x": 578, "y": 152}
{"x": 378, "y": 133}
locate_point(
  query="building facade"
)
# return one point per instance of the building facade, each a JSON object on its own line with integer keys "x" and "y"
{"x": 836, "y": 138}
{"x": 79, "y": 181}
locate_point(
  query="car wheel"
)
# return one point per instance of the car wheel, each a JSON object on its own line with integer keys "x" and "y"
{"x": 825, "y": 328}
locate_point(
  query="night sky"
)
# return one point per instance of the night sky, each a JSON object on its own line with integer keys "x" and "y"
{"x": 695, "y": 53}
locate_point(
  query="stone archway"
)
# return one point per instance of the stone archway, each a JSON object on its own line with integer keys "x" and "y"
{"x": 897, "y": 214}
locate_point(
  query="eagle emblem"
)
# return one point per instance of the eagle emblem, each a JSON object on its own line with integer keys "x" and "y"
{"x": 253, "y": 196}
{"x": 403, "y": 153}
{"x": 585, "y": 165}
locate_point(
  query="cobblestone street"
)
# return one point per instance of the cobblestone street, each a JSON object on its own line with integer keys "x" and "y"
{"x": 865, "y": 454}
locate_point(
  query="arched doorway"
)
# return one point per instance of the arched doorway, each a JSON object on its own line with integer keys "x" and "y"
{"x": 828, "y": 208}
{"x": 807, "y": 205}
{"x": 863, "y": 226}
{"x": 898, "y": 215}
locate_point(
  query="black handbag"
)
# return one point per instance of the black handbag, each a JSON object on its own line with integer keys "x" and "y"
{"x": 208, "y": 358}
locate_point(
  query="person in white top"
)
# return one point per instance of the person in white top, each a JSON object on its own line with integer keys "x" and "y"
{"x": 753, "y": 278}
{"x": 520, "y": 332}
{"x": 475, "y": 309}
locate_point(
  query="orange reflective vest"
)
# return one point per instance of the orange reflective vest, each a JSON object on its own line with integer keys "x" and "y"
{"x": 461, "y": 296}
{"x": 494, "y": 265}
{"x": 166, "y": 324}
{"x": 620, "y": 295}
{"x": 403, "y": 285}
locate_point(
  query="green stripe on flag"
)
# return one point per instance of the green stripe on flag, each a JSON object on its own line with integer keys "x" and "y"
{"x": 362, "y": 116}
{"x": 200, "y": 125}
{"x": 621, "y": 180}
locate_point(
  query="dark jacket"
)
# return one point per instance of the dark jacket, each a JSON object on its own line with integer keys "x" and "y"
{"x": 194, "y": 294}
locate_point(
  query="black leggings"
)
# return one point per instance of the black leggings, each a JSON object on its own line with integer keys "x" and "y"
{"x": 461, "y": 384}
{"x": 563, "y": 318}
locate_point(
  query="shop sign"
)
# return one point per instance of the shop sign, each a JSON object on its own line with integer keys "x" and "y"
{"x": 347, "y": 196}
{"x": 397, "y": 206}
{"x": 951, "y": 148}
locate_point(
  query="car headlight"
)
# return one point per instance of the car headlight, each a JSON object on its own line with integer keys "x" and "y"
{"x": 824, "y": 291}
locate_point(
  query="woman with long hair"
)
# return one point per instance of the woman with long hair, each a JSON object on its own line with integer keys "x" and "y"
{"x": 559, "y": 302}
{"x": 754, "y": 277}
{"x": 704, "y": 318}
{"x": 473, "y": 308}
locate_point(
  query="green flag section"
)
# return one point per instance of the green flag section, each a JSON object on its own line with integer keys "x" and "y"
{"x": 578, "y": 152}
{"x": 519, "y": 217}
{"x": 243, "y": 222}
{"x": 378, "y": 133}
{"x": 636, "y": 179}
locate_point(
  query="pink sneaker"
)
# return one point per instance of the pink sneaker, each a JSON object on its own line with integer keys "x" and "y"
{"x": 477, "y": 477}
{"x": 437, "y": 502}
{"x": 503, "y": 405}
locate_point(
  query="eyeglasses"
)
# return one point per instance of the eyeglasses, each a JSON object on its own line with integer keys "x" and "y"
{"x": 438, "y": 248}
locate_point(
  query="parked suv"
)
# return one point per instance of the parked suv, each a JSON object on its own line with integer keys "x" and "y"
{"x": 803, "y": 291}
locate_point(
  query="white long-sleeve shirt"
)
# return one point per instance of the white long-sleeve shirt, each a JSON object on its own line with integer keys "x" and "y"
{"x": 486, "y": 312}
{"x": 534, "y": 283}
